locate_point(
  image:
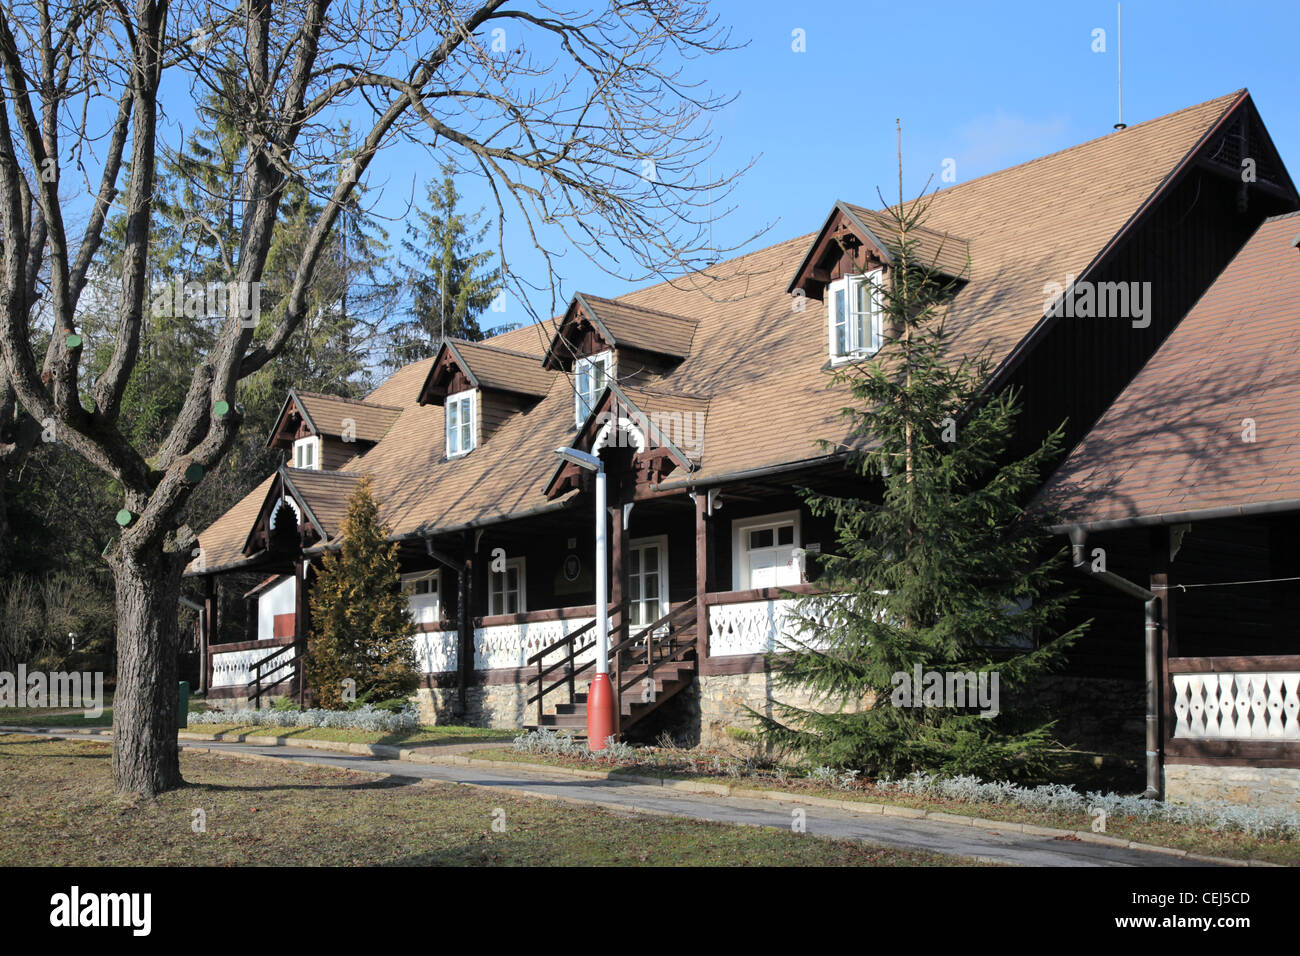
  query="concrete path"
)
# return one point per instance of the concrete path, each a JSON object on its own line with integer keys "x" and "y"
{"x": 955, "y": 839}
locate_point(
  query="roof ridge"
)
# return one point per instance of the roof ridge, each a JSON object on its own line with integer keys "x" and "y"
{"x": 1236, "y": 94}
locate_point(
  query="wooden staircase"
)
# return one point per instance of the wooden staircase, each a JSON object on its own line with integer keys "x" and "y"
{"x": 647, "y": 669}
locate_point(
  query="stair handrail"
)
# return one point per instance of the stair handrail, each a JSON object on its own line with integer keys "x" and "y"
{"x": 258, "y": 670}
{"x": 653, "y": 641}
{"x": 567, "y": 641}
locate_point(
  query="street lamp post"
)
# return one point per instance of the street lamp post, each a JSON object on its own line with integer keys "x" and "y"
{"x": 600, "y": 695}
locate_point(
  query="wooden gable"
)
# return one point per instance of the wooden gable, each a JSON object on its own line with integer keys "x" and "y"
{"x": 618, "y": 423}
{"x": 581, "y": 333}
{"x": 843, "y": 247}
{"x": 449, "y": 374}
{"x": 284, "y": 524}
{"x": 292, "y": 423}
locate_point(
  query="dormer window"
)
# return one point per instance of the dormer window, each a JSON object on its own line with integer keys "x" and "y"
{"x": 306, "y": 453}
{"x": 856, "y": 316}
{"x": 591, "y": 375}
{"x": 460, "y": 424}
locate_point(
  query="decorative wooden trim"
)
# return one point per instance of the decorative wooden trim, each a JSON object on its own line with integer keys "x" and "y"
{"x": 1237, "y": 665}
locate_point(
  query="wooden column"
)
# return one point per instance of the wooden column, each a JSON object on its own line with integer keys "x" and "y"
{"x": 206, "y": 632}
{"x": 465, "y": 625}
{"x": 1162, "y": 586}
{"x": 703, "y": 574}
{"x": 301, "y": 626}
{"x": 618, "y": 539}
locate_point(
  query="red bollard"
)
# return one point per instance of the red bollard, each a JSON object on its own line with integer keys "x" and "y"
{"x": 600, "y": 712}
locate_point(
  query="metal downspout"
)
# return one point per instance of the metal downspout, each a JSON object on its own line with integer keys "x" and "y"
{"x": 1151, "y": 648}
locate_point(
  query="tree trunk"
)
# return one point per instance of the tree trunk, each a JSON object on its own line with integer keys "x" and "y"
{"x": 145, "y": 758}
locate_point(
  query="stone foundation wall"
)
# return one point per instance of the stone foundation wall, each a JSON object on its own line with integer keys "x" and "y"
{"x": 1277, "y": 787}
{"x": 500, "y": 706}
{"x": 1103, "y": 715}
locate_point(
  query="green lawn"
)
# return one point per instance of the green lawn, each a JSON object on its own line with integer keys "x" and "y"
{"x": 59, "y": 809}
{"x": 1226, "y": 843}
{"x": 45, "y": 717}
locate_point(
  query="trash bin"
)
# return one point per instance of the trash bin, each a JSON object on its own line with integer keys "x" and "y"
{"x": 183, "y": 717}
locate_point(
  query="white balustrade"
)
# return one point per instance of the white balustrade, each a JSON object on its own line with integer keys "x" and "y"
{"x": 510, "y": 645}
{"x": 750, "y": 627}
{"x": 1237, "y": 706}
{"x": 235, "y": 668}
{"x": 436, "y": 652}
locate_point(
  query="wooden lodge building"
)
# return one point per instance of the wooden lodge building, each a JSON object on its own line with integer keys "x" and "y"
{"x": 709, "y": 401}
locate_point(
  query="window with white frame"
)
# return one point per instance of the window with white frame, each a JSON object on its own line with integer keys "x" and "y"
{"x": 506, "y": 589}
{"x": 460, "y": 424}
{"x": 766, "y": 552}
{"x": 423, "y": 595}
{"x": 591, "y": 375}
{"x": 855, "y": 314}
{"x": 306, "y": 453}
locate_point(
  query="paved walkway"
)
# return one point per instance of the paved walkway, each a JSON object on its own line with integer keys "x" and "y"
{"x": 902, "y": 832}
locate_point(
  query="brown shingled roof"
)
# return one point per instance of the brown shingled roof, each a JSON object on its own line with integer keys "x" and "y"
{"x": 502, "y": 369}
{"x": 640, "y": 327}
{"x": 1173, "y": 441}
{"x": 327, "y": 415}
{"x": 759, "y": 363}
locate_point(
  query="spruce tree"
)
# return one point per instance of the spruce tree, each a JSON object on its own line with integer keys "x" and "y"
{"x": 361, "y": 626}
{"x": 451, "y": 284}
{"x": 939, "y": 570}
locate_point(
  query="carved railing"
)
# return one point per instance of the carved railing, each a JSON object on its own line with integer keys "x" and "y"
{"x": 1236, "y": 698}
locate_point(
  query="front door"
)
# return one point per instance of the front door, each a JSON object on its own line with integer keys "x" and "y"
{"x": 647, "y": 580}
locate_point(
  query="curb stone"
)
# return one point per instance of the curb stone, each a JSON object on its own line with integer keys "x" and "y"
{"x": 854, "y": 806}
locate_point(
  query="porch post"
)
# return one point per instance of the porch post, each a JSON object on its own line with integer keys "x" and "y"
{"x": 703, "y": 573}
{"x": 300, "y": 626}
{"x": 465, "y": 626}
{"x": 1161, "y": 585}
{"x": 205, "y": 635}
{"x": 618, "y": 561}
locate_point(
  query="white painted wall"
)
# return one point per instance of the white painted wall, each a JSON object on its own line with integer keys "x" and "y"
{"x": 277, "y": 599}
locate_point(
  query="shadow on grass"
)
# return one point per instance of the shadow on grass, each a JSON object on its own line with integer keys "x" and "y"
{"x": 390, "y": 782}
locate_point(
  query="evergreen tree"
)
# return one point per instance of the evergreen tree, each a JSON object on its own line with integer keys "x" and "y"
{"x": 939, "y": 569}
{"x": 451, "y": 284}
{"x": 361, "y": 626}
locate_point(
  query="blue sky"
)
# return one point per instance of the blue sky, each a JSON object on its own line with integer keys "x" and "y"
{"x": 986, "y": 84}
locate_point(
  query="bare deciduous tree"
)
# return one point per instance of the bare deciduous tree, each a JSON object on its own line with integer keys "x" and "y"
{"x": 582, "y": 123}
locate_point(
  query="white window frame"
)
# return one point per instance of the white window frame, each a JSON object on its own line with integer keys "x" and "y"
{"x": 844, "y": 288}
{"x": 410, "y": 586}
{"x": 584, "y": 402}
{"x": 496, "y": 593}
{"x": 466, "y": 443}
{"x": 740, "y": 529}
{"x": 310, "y": 444}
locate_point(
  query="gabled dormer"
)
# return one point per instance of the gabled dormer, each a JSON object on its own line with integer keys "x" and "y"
{"x": 479, "y": 387}
{"x": 847, "y": 269}
{"x": 606, "y": 340}
{"x": 324, "y": 432}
